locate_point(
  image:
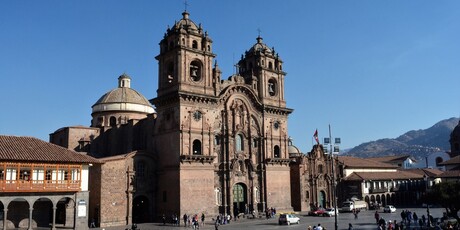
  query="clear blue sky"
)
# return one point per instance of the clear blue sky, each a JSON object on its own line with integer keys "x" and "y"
{"x": 371, "y": 69}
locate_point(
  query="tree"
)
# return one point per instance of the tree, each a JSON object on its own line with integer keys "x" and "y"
{"x": 447, "y": 195}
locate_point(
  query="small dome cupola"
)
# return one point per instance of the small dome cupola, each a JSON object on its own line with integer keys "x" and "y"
{"x": 124, "y": 81}
{"x": 260, "y": 47}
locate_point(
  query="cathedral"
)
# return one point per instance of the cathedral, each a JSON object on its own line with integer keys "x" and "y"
{"x": 211, "y": 145}
{"x": 217, "y": 146}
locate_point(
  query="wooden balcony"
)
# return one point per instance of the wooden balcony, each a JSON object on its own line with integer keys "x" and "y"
{"x": 37, "y": 177}
{"x": 378, "y": 190}
{"x": 39, "y": 186}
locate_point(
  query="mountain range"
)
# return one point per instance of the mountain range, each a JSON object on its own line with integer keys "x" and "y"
{"x": 417, "y": 143}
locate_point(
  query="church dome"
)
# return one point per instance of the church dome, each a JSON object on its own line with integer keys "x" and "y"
{"x": 293, "y": 150}
{"x": 186, "y": 23}
{"x": 123, "y": 98}
{"x": 260, "y": 47}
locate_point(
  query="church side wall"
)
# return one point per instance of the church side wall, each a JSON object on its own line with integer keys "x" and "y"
{"x": 197, "y": 190}
{"x": 278, "y": 187}
{"x": 114, "y": 203}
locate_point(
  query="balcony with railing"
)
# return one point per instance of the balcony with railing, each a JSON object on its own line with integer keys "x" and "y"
{"x": 378, "y": 190}
{"x": 30, "y": 177}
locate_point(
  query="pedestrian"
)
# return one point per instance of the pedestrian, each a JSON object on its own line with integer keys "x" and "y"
{"x": 377, "y": 217}
{"x": 216, "y": 224}
{"x": 319, "y": 227}
{"x": 93, "y": 223}
{"x": 202, "y": 219}
{"x": 350, "y": 227}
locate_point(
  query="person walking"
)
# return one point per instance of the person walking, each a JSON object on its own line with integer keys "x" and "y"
{"x": 377, "y": 217}
{"x": 350, "y": 227}
{"x": 216, "y": 224}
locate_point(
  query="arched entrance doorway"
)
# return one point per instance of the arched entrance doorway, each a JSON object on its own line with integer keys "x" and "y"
{"x": 43, "y": 212}
{"x": 65, "y": 212}
{"x": 240, "y": 198}
{"x": 18, "y": 214}
{"x": 322, "y": 199}
{"x": 141, "y": 209}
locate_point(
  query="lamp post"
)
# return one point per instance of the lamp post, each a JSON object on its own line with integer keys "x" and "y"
{"x": 333, "y": 149}
{"x": 426, "y": 178}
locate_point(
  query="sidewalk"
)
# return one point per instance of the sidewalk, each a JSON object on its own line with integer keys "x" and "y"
{"x": 160, "y": 226}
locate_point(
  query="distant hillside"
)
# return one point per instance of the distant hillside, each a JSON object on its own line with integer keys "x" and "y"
{"x": 417, "y": 143}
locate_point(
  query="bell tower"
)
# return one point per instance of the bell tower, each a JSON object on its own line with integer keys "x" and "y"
{"x": 262, "y": 68}
{"x": 185, "y": 60}
{"x": 188, "y": 85}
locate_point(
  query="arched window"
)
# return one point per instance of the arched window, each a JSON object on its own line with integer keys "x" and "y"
{"x": 195, "y": 71}
{"x": 272, "y": 87}
{"x": 438, "y": 160}
{"x": 113, "y": 121}
{"x": 276, "y": 152}
{"x": 100, "y": 121}
{"x": 270, "y": 65}
{"x": 195, "y": 44}
{"x": 140, "y": 169}
{"x": 170, "y": 73}
{"x": 217, "y": 140}
{"x": 320, "y": 169}
{"x": 196, "y": 147}
{"x": 239, "y": 143}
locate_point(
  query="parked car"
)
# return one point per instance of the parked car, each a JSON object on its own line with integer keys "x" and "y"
{"x": 389, "y": 209}
{"x": 330, "y": 212}
{"x": 317, "y": 212}
{"x": 288, "y": 219}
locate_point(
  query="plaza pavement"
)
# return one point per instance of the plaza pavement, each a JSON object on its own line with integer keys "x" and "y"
{"x": 364, "y": 221}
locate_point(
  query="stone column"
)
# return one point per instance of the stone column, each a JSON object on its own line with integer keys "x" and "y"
{"x": 53, "y": 226}
{"x": 30, "y": 218}
{"x": 5, "y": 212}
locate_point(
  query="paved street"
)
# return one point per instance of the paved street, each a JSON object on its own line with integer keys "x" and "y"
{"x": 365, "y": 221}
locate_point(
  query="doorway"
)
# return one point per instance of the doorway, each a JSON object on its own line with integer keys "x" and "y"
{"x": 322, "y": 199}
{"x": 240, "y": 199}
{"x": 141, "y": 210}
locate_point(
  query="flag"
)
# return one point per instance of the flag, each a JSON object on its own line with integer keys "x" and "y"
{"x": 316, "y": 137}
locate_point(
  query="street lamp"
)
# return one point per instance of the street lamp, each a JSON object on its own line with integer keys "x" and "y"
{"x": 333, "y": 149}
{"x": 426, "y": 178}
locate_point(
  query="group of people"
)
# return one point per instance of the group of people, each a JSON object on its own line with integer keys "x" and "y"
{"x": 270, "y": 212}
{"x": 408, "y": 219}
{"x": 318, "y": 227}
{"x": 193, "y": 221}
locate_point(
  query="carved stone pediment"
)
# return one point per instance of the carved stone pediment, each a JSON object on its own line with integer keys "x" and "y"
{"x": 197, "y": 159}
{"x": 277, "y": 161}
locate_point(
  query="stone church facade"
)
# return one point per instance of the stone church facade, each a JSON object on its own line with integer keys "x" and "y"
{"x": 211, "y": 145}
{"x": 221, "y": 144}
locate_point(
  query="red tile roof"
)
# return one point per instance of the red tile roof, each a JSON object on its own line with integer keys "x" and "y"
{"x": 426, "y": 171}
{"x": 355, "y": 162}
{"x": 30, "y": 149}
{"x": 389, "y": 159}
{"x": 451, "y": 161}
{"x": 451, "y": 173}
